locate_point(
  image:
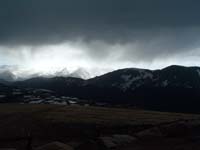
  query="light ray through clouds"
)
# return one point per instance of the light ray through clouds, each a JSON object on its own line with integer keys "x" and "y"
{"x": 71, "y": 56}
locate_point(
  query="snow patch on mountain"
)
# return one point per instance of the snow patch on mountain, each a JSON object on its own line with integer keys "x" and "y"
{"x": 198, "y": 71}
{"x": 146, "y": 74}
{"x": 165, "y": 83}
{"x": 130, "y": 79}
{"x": 126, "y": 77}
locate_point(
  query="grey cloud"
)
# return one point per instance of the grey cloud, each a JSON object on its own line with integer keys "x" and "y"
{"x": 41, "y": 21}
{"x": 6, "y": 73}
{"x": 140, "y": 30}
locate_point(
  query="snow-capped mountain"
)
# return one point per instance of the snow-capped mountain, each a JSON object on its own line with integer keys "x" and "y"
{"x": 125, "y": 80}
{"x": 78, "y": 73}
{"x": 132, "y": 79}
{"x": 173, "y": 88}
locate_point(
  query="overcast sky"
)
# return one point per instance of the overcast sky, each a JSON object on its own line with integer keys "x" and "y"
{"x": 98, "y": 35}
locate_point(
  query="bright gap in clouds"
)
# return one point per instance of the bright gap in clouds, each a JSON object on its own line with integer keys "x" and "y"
{"x": 95, "y": 58}
{"x": 48, "y": 59}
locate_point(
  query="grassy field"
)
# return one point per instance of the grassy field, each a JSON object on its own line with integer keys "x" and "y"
{"x": 55, "y": 122}
{"x": 89, "y": 115}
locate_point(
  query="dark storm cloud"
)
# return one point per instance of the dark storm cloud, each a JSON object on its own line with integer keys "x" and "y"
{"x": 153, "y": 27}
{"x": 55, "y": 20}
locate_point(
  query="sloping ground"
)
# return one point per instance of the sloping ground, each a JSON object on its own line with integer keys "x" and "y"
{"x": 47, "y": 123}
{"x": 89, "y": 114}
{"x": 172, "y": 89}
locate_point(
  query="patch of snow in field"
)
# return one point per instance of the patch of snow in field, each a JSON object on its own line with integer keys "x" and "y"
{"x": 36, "y": 102}
{"x": 16, "y": 93}
{"x": 59, "y": 103}
{"x": 72, "y": 102}
{"x": 2, "y": 96}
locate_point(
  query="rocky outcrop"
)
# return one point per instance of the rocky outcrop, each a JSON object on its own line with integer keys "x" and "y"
{"x": 55, "y": 146}
{"x": 116, "y": 140}
{"x": 148, "y": 134}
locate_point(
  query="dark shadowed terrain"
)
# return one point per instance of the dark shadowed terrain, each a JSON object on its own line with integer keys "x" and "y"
{"x": 172, "y": 89}
{"x": 83, "y": 127}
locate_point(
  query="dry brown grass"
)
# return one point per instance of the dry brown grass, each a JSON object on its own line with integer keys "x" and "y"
{"x": 97, "y": 115}
{"x": 48, "y": 123}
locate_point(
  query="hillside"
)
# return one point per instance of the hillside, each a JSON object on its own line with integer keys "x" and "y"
{"x": 174, "y": 88}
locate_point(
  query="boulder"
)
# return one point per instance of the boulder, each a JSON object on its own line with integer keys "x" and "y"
{"x": 55, "y": 146}
{"x": 117, "y": 140}
{"x": 108, "y": 142}
{"x": 122, "y": 139}
{"x": 149, "y": 134}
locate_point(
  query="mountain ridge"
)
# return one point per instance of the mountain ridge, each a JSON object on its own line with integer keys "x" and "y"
{"x": 174, "y": 88}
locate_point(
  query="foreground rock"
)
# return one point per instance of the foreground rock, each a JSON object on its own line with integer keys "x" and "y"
{"x": 108, "y": 142}
{"x": 55, "y": 146}
{"x": 116, "y": 140}
{"x": 123, "y": 139}
{"x": 149, "y": 134}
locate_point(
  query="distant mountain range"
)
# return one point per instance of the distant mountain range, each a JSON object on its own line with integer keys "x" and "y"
{"x": 174, "y": 88}
{"x": 11, "y": 74}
